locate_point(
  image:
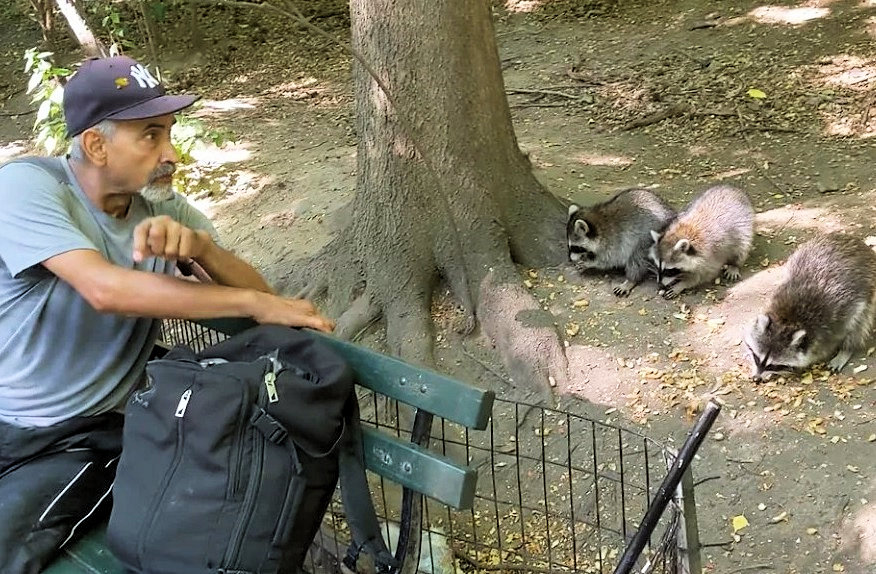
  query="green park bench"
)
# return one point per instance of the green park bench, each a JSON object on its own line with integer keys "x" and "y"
{"x": 408, "y": 463}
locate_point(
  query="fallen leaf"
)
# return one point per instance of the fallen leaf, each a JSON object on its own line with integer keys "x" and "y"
{"x": 739, "y": 522}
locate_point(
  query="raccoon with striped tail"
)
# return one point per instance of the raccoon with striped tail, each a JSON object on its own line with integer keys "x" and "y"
{"x": 614, "y": 234}
{"x": 711, "y": 234}
{"x": 824, "y": 308}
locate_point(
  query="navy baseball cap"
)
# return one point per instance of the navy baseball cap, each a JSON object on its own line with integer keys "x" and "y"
{"x": 117, "y": 88}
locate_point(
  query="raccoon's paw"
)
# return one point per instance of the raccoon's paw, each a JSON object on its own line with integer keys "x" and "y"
{"x": 622, "y": 291}
{"x": 669, "y": 293}
{"x": 731, "y": 273}
{"x": 839, "y": 361}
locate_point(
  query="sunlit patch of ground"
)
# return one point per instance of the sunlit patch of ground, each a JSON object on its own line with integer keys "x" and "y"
{"x": 787, "y": 15}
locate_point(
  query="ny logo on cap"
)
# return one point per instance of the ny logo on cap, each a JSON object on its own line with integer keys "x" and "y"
{"x": 143, "y": 77}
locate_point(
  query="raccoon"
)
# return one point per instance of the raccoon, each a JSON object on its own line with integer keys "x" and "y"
{"x": 614, "y": 234}
{"x": 712, "y": 233}
{"x": 824, "y": 308}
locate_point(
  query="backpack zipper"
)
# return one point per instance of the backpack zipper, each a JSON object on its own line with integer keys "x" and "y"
{"x": 179, "y": 414}
{"x": 252, "y": 487}
{"x": 234, "y": 485}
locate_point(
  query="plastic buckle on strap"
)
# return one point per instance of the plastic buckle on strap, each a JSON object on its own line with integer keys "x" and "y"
{"x": 269, "y": 426}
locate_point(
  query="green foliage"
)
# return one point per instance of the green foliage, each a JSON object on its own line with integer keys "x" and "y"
{"x": 189, "y": 132}
{"x": 46, "y": 89}
{"x": 114, "y": 26}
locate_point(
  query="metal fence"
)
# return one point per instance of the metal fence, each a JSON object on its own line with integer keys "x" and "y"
{"x": 556, "y": 492}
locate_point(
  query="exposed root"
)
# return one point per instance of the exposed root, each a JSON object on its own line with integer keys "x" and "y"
{"x": 409, "y": 328}
{"x": 361, "y": 313}
{"x": 313, "y": 290}
{"x": 524, "y": 335}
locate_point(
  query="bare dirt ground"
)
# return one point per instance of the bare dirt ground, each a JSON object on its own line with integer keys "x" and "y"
{"x": 796, "y": 456}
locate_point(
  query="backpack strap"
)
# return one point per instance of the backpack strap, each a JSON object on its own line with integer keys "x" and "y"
{"x": 52, "y": 165}
{"x": 356, "y": 496}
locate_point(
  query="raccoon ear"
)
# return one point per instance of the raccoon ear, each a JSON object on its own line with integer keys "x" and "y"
{"x": 573, "y": 209}
{"x": 656, "y": 236}
{"x": 762, "y": 322}
{"x": 798, "y": 338}
{"x": 683, "y": 246}
{"x": 582, "y": 226}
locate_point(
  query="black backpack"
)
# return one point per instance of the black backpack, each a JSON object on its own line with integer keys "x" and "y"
{"x": 230, "y": 458}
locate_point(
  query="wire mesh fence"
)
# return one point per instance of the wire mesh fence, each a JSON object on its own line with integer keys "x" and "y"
{"x": 556, "y": 491}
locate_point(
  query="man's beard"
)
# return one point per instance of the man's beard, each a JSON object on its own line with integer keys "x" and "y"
{"x": 156, "y": 191}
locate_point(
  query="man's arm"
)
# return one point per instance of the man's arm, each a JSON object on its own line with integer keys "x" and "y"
{"x": 162, "y": 236}
{"x": 113, "y": 289}
{"x": 226, "y": 268}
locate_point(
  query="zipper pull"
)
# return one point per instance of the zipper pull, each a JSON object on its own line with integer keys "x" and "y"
{"x": 183, "y": 403}
{"x": 270, "y": 385}
{"x": 271, "y": 375}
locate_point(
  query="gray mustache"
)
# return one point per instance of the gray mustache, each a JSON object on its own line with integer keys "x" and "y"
{"x": 162, "y": 171}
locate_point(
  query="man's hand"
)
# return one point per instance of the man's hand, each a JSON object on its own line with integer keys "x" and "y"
{"x": 278, "y": 310}
{"x": 163, "y": 237}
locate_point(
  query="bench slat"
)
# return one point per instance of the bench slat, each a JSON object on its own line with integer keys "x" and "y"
{"x": 419, "y": 469}
{"x": 416, "y": 386}
{"x": 88, "y": 556}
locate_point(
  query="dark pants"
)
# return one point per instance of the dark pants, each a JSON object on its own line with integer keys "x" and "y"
{"x": 54, "y": 483}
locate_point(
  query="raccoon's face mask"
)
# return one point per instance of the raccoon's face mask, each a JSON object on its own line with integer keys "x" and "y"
{"x": 582, "y": 239}
{"x": 775, "y": 350}
{"x": 667, "y": 262}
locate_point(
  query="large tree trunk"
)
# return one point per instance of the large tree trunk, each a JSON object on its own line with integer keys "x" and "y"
{"x": 92, "y": 47}
{"x": 443, "y": 190}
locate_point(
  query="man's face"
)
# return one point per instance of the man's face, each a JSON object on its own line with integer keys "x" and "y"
{"x": 141, "y": 158}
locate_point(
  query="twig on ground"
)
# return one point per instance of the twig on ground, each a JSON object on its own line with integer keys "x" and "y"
{"x": 702, "y": 25}
{"x": 544, "y": 93}
{"x": 503, "y": 565}
{"x": 740, "y": 460}
{"x": 716, "y": 544}
{"x": 315, "y": 145}
{"x": 707, "y": 479}
{"x": 720, "y": 113}
{"x": 537, "y": 105}
{"x": 754, "y": 567}
{"x": 485, "y": 366}
{"x": 656, "y": 117}
{"x": 16, "y": 114}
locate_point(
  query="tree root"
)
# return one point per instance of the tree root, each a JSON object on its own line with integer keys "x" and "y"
{"x": 359, "y": 315}
{"x": 524, "y": 335}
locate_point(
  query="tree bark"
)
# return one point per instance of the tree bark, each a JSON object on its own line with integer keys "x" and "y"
{"x": 91, "y": 45}
{"x": 443, "y": 190}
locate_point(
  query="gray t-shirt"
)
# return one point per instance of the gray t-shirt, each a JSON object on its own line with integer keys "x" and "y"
{"x": 60, "y": 358}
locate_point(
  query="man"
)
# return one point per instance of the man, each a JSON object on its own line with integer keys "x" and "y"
{"x": 88, "y": 247}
